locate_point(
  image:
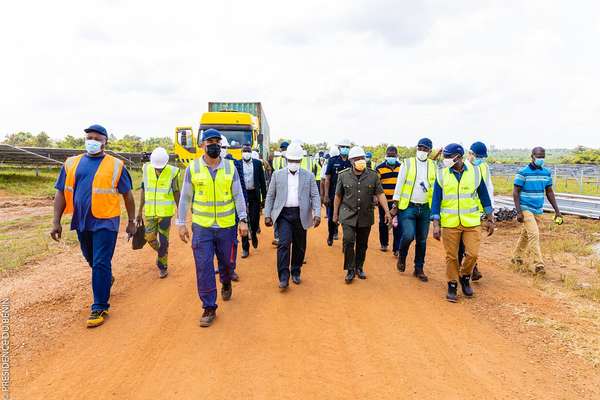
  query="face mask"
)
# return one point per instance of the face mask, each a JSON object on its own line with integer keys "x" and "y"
{"x": 538, "y": 161}
{"x": 93, "y": 146}
{"x": 477, "y": 162}
{"x": 246, "y": 156}
{"x": 213, "y": 150}
{"x": 360, "y": 165}
{"x": 448, "y": 162}
{"x": 422, "y": 155}
{"x": 344, "y": 151}
{"x": 293, "y": 167}
{"x": 391, "y": 160}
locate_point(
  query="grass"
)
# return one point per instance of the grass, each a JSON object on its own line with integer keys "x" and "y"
{"x": 27, "y": 182}
{"x": 504, "y": 185}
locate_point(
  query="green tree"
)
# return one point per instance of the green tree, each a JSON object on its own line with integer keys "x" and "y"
{"x": 23, "y": 139}
{"x": 42, "y": 140}
{"x": 154, "y": 142}
{"x": 128, "y": 144}
{"x": 71, "y": 142}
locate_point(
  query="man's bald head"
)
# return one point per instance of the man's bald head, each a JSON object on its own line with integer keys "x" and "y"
{"x": 538, "y": 152}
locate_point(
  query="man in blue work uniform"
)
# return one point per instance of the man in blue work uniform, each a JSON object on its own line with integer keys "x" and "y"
{"x": 212, "y": 188}
{"x": 334, "y": 166}
{"x": 89, "y": 186}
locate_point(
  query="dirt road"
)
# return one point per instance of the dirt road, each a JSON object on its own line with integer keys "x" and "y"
{"x": 389, "y": 337}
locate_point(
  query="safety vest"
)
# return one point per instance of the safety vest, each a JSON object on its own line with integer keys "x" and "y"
{"x": 459, "y": 199}
{"x": 159, "y": 199}
{"x": 306, "y": 163}
{"x": 279, "y": 162}
{"x": 213, "y": 198}
{"x": 105, "y": 196}
{"x": 318, "y": 169}
{"x": 411, "y": 177}
{"x": 484, "y": 170}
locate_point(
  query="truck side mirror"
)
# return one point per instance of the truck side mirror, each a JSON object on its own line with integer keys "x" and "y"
{"x": 260, "y": 138}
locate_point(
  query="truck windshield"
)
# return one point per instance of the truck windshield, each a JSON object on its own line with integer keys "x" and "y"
{"x": 236, "y": 138}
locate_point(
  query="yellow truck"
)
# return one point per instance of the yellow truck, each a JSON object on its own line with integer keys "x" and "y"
{"x": 240, "y": 123}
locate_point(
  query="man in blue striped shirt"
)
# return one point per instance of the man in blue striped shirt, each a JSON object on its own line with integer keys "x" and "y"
{"x": 531, "y": 184}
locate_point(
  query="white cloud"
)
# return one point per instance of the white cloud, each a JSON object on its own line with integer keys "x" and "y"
{"x": 510, "y": 73}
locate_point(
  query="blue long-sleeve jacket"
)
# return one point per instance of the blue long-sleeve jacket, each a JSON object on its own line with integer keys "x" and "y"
{"x": 482, "y": 192}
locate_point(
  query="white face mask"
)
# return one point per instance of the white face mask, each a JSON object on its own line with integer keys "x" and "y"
{"x": 223, "y": 152}
{"x": 246, "y": 156}
{"x": 422, "y": 155}
{"x": 93, "y": 146}
{"x": 449, "y": 162}
{"x": 293, "y": 167}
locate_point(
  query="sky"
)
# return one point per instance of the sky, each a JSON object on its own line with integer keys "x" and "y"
{"x": 513, "y": 74}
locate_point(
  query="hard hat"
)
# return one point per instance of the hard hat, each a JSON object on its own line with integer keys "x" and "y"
{"x": 159, "y": 158}
{"x": 255, "y": 155}
{"x": 294, "y": 152}
{"x": 224, "y": 141}
{"x": 284, "y": 145}
{"x": 211, "y": 133}
{"x": 344, "y": 142}
{"x": 479, "y": 149}
{"x": 356, "y": 151}
{"x": 369, "y": 154}
{"x": 454, "y": 148}
{"x": 334, "y": 151}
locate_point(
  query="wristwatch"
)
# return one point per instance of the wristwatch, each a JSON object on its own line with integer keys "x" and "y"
{"x": 244, "y": 220}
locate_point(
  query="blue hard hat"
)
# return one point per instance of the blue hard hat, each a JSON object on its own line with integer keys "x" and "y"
{"x": 284, "y": 145}
{"x": 210, "y": 133}
{"x": 425, "y": 142}
{"x": 479, "y": 149}
{"x": 454, "y": 148}
{"x": 368, "y": 154}
{"x": 96, "y": 128}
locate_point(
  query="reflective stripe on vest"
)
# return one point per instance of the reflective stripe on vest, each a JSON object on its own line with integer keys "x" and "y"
{"x": 484, "y": 169}
{"x": 306, "y": 163}
{"x": 159, "y": 199}
{"x": 213, "y": 198}
{"x": 411, "y": 177}
{"x": 279, "y": 162}
{"x": 105, "y": 194}
{"x": 459, "y": 199}
{"x": 318, "y": 170}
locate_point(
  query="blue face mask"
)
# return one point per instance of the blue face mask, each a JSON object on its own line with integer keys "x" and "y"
{"x": 539, "y": 162}
{"x": 391, "y": 160}
{"x": 93, "y": 146}
{"x": 344, "y": 151}
{"x": 477, "y": 162}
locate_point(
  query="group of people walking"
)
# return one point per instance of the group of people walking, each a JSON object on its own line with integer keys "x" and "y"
{"x": 453, "y": 194}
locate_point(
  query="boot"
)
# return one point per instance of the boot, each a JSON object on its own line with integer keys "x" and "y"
{"x": 476, "y": 275}
{"x": 208, "y": 317}
{"x": 350, "y": 276}
{"x": 226, "y": 291}
{"x": 419, "y": 274}
{"x": 465, "y": 284}
{"x": 361, "y": 274}
{"x": 401, "y": 264}
{"x": 452, "y": 289}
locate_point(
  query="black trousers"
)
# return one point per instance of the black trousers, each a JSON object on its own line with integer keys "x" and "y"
{"x": 292, "y": 243}
{"x": 356, "y": 241}
{"x": 332, "y": 227}
{"x": 253, "y": 217}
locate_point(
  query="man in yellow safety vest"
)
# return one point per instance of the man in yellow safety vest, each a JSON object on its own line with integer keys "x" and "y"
{"x": 211, "y": 186}
{"x": 455, "y": 209}
{"x": 158, "y": 198}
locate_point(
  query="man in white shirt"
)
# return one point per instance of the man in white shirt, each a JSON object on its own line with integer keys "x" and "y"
{"x": 294, "y": 205}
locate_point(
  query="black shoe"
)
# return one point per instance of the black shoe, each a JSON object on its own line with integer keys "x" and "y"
{"x": 396, "y": 254}
{"x": 452, "y": 289}
{"x": 296, "y": 279}
{"x": 245, "y": 253}
{"x": 162, "y": 274}
{"x": 476, "y": 275}
{"x": 226, "y": 291}
{"x": 234, "y": 276}
{"x": 208, "y": 317}
{"x": 329, "y": 242}
{"x": 361, "y": 274}
{"x": 350, "y": 276}
{"x": 465, "y": 284}
{"x": 401, "y": 264}
{"x": 255, "y": 242}
{"x": 283, "y": 285}
{"x": 336, "y": 236}
{"x": 420, "y": 275}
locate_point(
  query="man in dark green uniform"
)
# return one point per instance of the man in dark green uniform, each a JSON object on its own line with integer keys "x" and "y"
{"x": 353, "y": 208}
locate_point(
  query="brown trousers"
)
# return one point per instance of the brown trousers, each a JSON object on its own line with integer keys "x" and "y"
{"x": 471, "y": 238}
{"x": 529, "y": 241}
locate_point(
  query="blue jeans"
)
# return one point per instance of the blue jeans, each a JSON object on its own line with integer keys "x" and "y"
{"x": 384, "y": 238}
{"x": 206, "y": 243}
{"x": 98, "y": 248}
{"x": 415, "y": 226}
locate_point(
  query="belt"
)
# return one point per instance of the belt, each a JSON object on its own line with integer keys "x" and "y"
{"x": 418, "y": 204}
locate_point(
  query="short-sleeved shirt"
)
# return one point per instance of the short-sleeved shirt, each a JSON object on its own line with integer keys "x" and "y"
{"x": 357, "y": 193}
{"x": 388, "y": 174}
{"x": 334, "y": 166}
{"x": 83, "y": 220}
{"x": 533, "y": 182}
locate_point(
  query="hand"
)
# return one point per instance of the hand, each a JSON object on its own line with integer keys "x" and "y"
{"x": 558, "y": 219}
{"x": 316, "y": 221}
{"x": 490, "y": 225}
{"x": 387, "y": 219}
{"x": 325, "y": 200}
{"x": 131, "y": 228}
{"x": 56, "y": 231}
{"x": 437, "y": 231}
{"x": 268, "y": 221}
{"x": 393, "y": 211}
{"x": 520, "y": 217}
{"x": 183, "y": 233}
{"x": 336, "y": 219}
{"x": 243, "y": 228}
{"x": 139, "y": 221}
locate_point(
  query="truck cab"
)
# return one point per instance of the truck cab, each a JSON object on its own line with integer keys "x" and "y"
{"x": 238, "y": 127}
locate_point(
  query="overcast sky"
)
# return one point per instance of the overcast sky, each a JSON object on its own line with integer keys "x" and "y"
{"x": 511, "y": 73}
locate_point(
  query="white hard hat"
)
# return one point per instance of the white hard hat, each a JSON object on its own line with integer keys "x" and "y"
{"x": 255, "y": 155}
{"x": 334, "y": 151}
{"x": 356, "y": 151}
{"x": 344, "y": 142}
{"x": 224, "y": 141}
{"x": 159, "y": 158}
{"x": 294, "y": 152}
